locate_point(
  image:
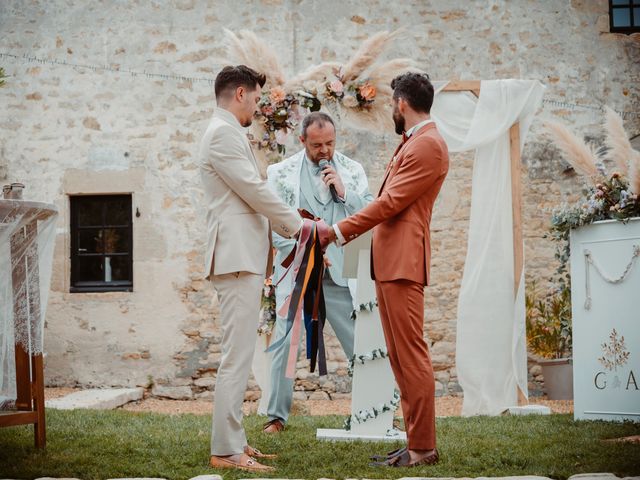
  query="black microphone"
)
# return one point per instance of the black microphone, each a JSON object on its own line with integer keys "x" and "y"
{"x": 323, "y": 163}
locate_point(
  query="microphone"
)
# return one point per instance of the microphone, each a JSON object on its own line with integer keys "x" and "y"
{"x": 323, "y": 163}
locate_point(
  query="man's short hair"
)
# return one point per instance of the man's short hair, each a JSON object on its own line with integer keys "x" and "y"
{"x": 232, "y": 77}
{"x": 416, "y": 89}
{"x": 320, "y": 118}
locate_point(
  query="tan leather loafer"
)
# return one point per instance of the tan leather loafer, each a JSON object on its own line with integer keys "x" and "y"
{"x": 255, "y": 453}
{"x": 243, "y": 462}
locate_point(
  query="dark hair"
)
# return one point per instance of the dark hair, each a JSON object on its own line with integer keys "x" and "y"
{"x": 320, "y": 118}
{"x": 416, "y": 89}
{"x": 232, "y": 77}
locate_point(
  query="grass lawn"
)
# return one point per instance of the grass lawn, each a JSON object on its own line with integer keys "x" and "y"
{"x": 110, "y": 444}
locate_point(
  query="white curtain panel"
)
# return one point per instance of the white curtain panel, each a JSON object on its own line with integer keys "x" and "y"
{"x": 491, "y": 357}
{"x": 27, "y": 328}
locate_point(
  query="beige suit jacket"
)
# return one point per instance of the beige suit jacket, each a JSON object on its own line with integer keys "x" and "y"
{"x": 241, "y": 209}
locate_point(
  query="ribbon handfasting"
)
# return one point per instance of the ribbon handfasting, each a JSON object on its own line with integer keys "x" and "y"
{"x": 306, "y": 300}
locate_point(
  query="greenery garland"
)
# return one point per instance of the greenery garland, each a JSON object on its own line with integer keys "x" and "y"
{"x": 378, "y": 353}
{"x": 364, "y": 306}
{"x": 362, "y": 358}
{"x": 368, "y": 413}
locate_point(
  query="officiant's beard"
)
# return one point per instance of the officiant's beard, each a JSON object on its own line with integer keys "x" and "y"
{"x": 398, "y": 119}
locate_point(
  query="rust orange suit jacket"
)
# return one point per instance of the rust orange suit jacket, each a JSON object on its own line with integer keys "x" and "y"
{"x": 401, "y": 215}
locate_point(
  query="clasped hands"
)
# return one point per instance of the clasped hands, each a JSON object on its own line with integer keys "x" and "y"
{"x": 326, "y": 234}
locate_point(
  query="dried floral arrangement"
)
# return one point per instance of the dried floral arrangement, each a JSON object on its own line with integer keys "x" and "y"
{"x": 607, "y": 195}
{"x": 357, "y": 92}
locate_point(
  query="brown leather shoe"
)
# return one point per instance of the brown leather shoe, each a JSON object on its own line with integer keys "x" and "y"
{"x": 273, "y": 426}
{"x": 241, "y": 462}
{"x": 403, "y": 459}
{"x": 388, "y": 456}
{"x": 255, "y": 453}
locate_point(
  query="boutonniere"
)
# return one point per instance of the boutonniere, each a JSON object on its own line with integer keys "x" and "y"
{"x": 392, "y": 163}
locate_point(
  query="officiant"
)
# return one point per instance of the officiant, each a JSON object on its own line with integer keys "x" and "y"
{"x": 331, "y": 186}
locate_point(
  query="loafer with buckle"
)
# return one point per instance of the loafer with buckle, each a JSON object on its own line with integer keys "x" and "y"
{"x": 255, "y": 453}
{"x": 244, "y": 462}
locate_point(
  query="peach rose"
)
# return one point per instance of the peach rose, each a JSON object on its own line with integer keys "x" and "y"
{"x": 277, "y": 95}
{"x": 368, "y": 91}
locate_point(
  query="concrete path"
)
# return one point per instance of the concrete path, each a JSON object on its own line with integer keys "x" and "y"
{"x": 100, "y": 399}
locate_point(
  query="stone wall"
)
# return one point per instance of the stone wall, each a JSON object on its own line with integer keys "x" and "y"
{"x": 99, "y": 129}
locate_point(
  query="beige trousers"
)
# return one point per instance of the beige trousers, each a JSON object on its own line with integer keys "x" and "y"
{"x": 239, "y": 296}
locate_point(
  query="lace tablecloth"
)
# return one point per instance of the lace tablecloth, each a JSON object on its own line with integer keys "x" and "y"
{"x": 27, "y": 237}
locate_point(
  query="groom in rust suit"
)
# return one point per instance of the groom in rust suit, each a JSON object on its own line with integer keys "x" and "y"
{"x": 400, "y": 257}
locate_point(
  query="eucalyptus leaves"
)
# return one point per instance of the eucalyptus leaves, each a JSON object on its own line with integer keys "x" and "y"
{"x": 373, "y": 412}
{"x": 363, "y": 307}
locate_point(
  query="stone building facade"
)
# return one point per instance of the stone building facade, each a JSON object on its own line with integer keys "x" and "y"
{"x": 100, "y": 99}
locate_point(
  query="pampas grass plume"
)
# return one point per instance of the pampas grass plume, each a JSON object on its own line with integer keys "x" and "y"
{"x": 574, "y": 150}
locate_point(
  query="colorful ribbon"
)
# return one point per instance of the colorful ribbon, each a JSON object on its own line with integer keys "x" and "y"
{"x": 306, "y": 300}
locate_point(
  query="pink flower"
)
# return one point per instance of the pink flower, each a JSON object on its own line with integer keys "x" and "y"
{"x": 337, "y": 86}
{"x": 295, "y": 113}
{"x": 281, "y": 136}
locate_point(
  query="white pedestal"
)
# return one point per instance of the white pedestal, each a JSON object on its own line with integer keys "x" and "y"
{"x": 606, "y": 369}
{"x": 528, "y": 410}
{"x": 373, "y": 382}
{"x": 336, "y": 434}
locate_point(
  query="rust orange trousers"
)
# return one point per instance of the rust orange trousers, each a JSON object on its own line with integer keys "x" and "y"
{"x": 401, "y": 305}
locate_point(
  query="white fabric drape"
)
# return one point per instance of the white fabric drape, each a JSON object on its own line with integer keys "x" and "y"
{"x": 34, "y": 256}
{"x": 491, "y": 358}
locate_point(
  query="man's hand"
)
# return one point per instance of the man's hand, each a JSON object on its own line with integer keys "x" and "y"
{"x": 331, "y": 177}
{"x": 325, "y": 233}
{"x": 307, "y": 214}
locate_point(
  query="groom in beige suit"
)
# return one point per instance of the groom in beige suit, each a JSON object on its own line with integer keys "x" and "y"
{"x": 241, "y": 212}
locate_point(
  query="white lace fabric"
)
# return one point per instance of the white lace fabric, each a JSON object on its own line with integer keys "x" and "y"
{"x": 27, "y": 238}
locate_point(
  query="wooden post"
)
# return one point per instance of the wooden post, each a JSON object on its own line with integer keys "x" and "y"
{"x": 516, "y": 208}
{"x": 516, "y": 205}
